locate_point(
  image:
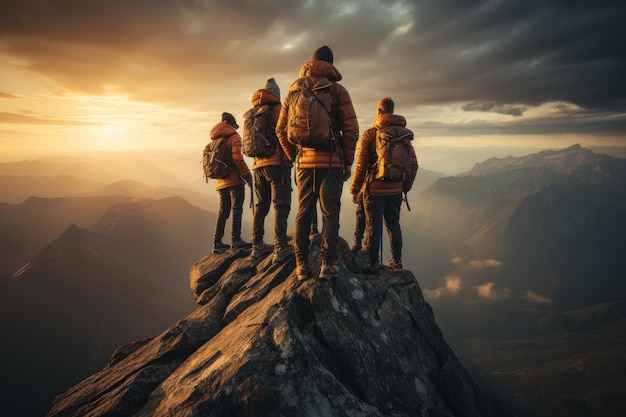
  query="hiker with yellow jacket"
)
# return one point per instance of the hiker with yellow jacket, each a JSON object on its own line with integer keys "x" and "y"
{"x": 231, "y": 188}
{"x": 272, "y": 180}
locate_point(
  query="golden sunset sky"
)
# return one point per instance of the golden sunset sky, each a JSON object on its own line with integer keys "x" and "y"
{"x": 132, "y": 74}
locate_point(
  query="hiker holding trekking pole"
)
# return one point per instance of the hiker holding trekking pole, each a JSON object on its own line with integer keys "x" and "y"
{"x": 384, "y": 172}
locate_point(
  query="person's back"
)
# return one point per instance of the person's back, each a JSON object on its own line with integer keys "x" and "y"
{"x": 231, "y": 187}
{"x": 272, "y": 179}
{"x": 321, "y": 170}
{"x": 382, "y": 196}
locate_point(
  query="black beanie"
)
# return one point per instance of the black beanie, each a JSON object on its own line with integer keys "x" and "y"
{"x": 323, "y": 54}
{"x": 230, "y": 119}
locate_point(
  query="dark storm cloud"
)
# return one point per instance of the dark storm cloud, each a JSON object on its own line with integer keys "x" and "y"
{"x": 501, "y": 56}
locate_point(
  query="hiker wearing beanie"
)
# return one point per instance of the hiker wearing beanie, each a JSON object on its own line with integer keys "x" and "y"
{"x": 382, "y": 198}
{"x": 323, "y": 160}
{"x": 272, "y": 179}
{"x": 230, "y": 188}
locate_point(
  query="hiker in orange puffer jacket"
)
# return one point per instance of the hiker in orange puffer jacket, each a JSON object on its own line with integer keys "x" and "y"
{"x": 231, "y": 188}
{"x": 381, "y": 199}
{"x": 320, "y": 173}
{"x": 272, "y": 183}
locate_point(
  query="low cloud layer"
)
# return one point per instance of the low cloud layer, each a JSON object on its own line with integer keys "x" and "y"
{"x": 490, "y": 291}
{"x": 536, "y": 298}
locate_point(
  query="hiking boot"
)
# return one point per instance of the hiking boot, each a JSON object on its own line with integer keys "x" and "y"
{"x": 281, "y": 253}
{"x": 371, "y": 268}
{"x": 395, "y": 264}
{"x": 219, "y": 247}
{"x": 259, "y": 248}
{"x": 240, "y": 244}
{"x": 328, "y": 271}
{"x": 302, "y": 271}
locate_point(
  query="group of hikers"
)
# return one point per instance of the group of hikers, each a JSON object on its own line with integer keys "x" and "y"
{"x": 316, "y": 129}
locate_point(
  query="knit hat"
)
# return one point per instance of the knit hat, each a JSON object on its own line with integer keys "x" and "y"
{"x": 230, "y": 119}
{"x": 323, "y": 54}
{"x": 272, "y": 86}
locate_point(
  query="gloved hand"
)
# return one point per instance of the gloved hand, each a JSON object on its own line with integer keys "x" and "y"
{"x": 347, "y": 171}
{"x": 248, "y": 178}
{"x": 356, "y": 199}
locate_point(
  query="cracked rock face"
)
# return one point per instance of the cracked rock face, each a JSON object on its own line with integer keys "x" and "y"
{"x": 263, "y": 344}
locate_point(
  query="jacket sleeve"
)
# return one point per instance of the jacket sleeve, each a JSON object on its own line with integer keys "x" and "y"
{"x": 235, "y": 148}
{"x": 362, "y": 162}
{"x": 281, "y": 131}
{"x": 348, "y": 124}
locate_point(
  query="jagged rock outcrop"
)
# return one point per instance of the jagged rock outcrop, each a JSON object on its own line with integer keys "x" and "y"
{"x": 264, "y": 344}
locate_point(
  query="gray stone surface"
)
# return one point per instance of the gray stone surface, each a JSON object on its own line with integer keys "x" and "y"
{"x": 263, "y": 344}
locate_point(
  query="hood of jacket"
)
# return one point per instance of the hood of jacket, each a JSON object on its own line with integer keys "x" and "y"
{"x": 383, "y": 120}
{"x": 320, "y": 69}
{"x": 264, "y": 96}
{"x": 222, "y": 130}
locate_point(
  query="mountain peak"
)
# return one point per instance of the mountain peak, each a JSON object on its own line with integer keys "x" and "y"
{"x": 263, "y": 343}
{"x": 560, "y": 161}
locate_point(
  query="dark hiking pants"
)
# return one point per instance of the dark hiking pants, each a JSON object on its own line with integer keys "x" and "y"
{"x": 326, "y": 185}
{"x": 383, "y": 208}
{"x": 231, "y": 198}
{"x": 272, "y": 185}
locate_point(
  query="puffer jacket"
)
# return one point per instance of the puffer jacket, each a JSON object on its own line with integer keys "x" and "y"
{"x": 366, "y": 157}
{"x": 265, "y": 96}
{"x": 224, "y": 130}
{"x": 343, "y": 118}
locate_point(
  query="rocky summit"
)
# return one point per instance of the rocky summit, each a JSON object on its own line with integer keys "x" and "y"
{"x": 264, "y": 344}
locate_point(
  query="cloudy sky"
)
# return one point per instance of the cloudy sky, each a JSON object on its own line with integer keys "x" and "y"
{"x": 107, "y": 74}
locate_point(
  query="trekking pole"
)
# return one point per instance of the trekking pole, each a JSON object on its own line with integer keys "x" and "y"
{"x": 381, "y": 244}
{"x": 251, "y": 198}
{"x": 406, "y": 200}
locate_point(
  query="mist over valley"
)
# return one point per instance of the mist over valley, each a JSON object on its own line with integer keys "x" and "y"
{"x": 519, "y": 252}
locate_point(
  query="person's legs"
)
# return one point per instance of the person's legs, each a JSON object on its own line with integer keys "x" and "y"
{"x": 237, "y": 197}
{"x": 263, "y": 193}
{"x": 359, "y": 230}
{"x": 331, "y": 187}
{"x": 280, "y": 181}
{"x": 374, "y": 206}
{"x": 392, "y": 223}
{"x": 220, "y": 222}
{"x": 307, "y": 199}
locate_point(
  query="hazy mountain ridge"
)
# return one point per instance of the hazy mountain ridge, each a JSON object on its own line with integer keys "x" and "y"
{"x": 26, "y": 228}
{"x": 490, "y": 211}
{"x": 546, "y": 221}
{"x": 520, "y": 243}
{"x": 17, "y": 188}
{"x": 150, "y": 168}
{"x": 89, "y": 291}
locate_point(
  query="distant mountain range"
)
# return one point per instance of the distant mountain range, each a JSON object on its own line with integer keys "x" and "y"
{"x": 529, "y": 230}
{"x": 520, "y": 257}
{"x": 89, "y": 291}
{"x": 522, "y": 260}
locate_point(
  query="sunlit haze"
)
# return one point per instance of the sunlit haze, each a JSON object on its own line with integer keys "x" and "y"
{"x": 146, "y": 74}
